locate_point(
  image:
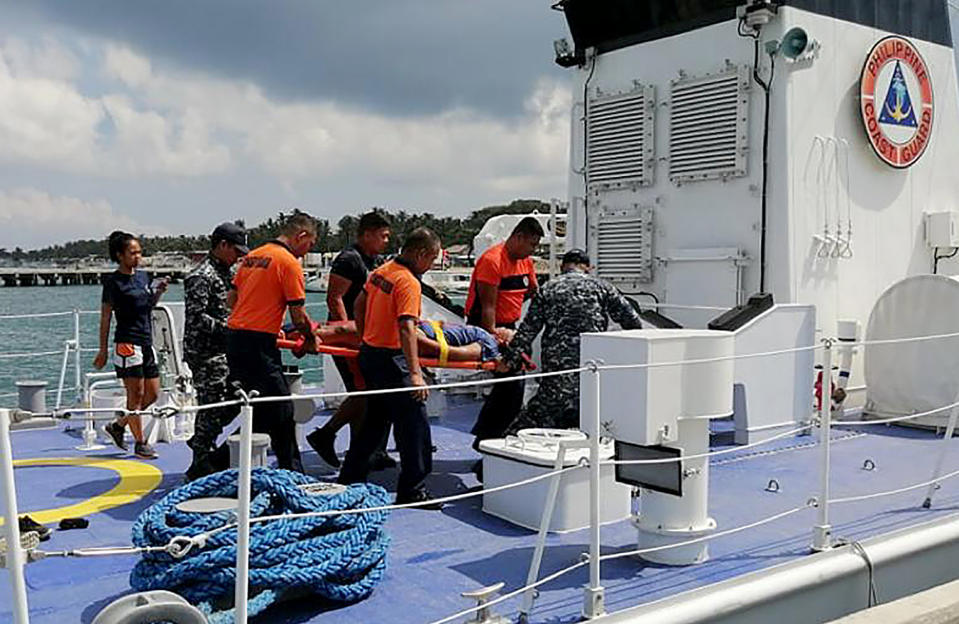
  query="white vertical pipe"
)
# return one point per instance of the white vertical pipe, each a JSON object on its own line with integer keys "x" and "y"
{"x": 553, "y": 269}
{"x": 243, "y": 520}
{"x": 822, "y": 531}
{"x": 544, "y": 523}
{"x": 63, "y": 373}
{"x": 946, "y": 444}
{"x": 76, "y": 345}
{"x": 593, "y": 605}
{"x": 15, "y": 554}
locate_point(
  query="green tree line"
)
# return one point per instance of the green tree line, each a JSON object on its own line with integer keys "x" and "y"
{"x": 451, "y": 230}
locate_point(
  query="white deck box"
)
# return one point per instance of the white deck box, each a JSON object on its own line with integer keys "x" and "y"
{"x": 510, "y": 460}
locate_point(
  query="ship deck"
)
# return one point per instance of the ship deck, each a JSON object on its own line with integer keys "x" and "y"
{"x": 435, "y": 555}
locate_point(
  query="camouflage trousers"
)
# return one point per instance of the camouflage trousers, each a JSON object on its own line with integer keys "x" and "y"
{"x": 210, "y": 380}
{"x": 554, "y": 406}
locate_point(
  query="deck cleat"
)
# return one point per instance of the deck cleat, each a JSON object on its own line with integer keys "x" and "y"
{"x": 483, "y": 614}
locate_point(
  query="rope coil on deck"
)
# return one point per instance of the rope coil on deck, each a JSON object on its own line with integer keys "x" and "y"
{"x": 340, "y": 558}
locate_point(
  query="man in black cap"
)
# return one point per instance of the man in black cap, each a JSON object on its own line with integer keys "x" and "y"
{"x": 568, "y": 305}
{"x": 204, "y": 342}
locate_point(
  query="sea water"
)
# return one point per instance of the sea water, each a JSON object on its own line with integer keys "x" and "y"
{"x": 34, "y": 335}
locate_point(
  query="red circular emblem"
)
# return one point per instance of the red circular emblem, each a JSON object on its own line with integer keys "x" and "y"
{"x": 896, "y": 101}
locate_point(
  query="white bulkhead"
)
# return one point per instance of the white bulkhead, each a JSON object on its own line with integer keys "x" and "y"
{"x": 691, "y": 239}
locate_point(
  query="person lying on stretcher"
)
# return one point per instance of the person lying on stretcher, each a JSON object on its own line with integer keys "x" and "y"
{"x": 466, "y": 343}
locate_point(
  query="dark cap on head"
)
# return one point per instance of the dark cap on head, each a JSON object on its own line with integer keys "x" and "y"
{"x": 576, "y": 256}
{"x": 231, "y": 233}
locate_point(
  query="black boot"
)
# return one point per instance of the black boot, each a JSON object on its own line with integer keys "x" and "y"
{"x": 322, "y": 441}
{"x": 381, "y": 461}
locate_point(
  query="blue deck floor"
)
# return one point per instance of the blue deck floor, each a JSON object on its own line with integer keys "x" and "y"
{"x": 436, "y": 555}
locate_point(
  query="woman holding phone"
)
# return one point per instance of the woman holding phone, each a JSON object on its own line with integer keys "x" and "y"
{"x": 129, "y": 295}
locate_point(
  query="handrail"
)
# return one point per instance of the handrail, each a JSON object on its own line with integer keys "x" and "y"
{"x": 597, "y": 368}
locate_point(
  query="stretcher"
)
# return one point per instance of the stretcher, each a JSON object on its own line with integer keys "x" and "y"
{"x": 294, "y": 342}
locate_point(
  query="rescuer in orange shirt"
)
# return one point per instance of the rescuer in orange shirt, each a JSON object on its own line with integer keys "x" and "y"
{"x": 387, "y": 312}
{"x": 503, "y": 278}
{"x": 270, "y": 281}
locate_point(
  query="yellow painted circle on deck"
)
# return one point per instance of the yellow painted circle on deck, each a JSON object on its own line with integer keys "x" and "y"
{"x": 137, "y": 479}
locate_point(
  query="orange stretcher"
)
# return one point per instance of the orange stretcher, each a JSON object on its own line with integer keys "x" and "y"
{"x": 294, "y": 342}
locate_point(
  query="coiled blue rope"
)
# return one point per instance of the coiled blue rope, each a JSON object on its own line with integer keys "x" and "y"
{"x": 340, "y": 557}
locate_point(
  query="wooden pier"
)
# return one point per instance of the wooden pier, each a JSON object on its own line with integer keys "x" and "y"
{"x": 77, "y": 276}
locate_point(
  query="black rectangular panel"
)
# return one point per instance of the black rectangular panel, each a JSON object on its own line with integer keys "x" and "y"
{"x": 666, "y": 477}
{"x": 613, "y": 24}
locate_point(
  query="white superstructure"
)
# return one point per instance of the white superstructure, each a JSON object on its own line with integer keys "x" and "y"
{"x": 666, "y": 171}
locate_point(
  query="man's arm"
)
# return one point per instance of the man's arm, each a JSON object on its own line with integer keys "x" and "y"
{"x": 335, "y": 290}
{"x": 304, "y": 325}
{"x": 533, "y": 284}
{"x": 359, "y": 313}
{"x": 620, "y": 310}
{"x": 196, "y": 296}
{"x": 407, "y": 326}
{"x": 487, "y": 294}
{"x": 529, "y": 328}
{"x": 231, "y": 298}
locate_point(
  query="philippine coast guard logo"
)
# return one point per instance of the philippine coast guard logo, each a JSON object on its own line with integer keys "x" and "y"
{"x": 896, "y": 101}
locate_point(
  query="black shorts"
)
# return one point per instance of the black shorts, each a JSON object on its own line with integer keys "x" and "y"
{"x": 141, "y": 363}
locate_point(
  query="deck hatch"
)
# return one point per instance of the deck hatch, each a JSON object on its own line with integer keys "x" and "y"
{"x": 708, "y": 132}
{"x": 620, "y": 143}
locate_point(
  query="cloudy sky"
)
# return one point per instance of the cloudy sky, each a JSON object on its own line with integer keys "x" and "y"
{"x": 168, "y": 117}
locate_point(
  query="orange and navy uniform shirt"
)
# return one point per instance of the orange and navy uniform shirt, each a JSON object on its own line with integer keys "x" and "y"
{"x": 392, "y": 292}
{"x": 512, "y": 278}
{"x": 269, "y": 279}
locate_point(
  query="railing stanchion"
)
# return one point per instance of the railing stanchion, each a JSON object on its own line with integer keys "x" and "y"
{"x": 78, "y": 366}
{"x": 243, "y": 513}
{"x": 822, "y": 532}
{"x": 944, "y": 448}
{"x": 594, "y": 601}
{"x": 63, "y": 372}
{"x": 15, "y": 555}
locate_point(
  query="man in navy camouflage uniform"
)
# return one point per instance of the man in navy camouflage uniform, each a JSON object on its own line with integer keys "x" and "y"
{"x": 204, "y": 342}
{"x": 565, "y": 307}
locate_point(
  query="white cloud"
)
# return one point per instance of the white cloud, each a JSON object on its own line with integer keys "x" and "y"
{"x": 32, "y": 218}
{"x": 294, "y": 141}
{"x": 121, "y": 63}
{"x": 47, "y": 121}
{"x": 129, "y": 118}
{"x": 47, "y": 58}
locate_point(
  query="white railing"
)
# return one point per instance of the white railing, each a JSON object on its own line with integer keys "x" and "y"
{"x": 72, "y": 346}
{"x": 180, "y": 546}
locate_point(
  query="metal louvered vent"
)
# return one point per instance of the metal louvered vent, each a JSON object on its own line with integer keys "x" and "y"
{"x": 708, "y": 132}
{"x": 622, "y": 244}
{"x": 619, "y": 150}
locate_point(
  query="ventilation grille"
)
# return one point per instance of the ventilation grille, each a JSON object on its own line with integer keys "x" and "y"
{"x": 622, "y": 244}
{"x": 708, "y": 134}
{"x": 619, "y": 151}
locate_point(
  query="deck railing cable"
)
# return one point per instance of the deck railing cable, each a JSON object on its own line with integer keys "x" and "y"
{"x": 185, "y": 544}
{"x": 632, "y": 553}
